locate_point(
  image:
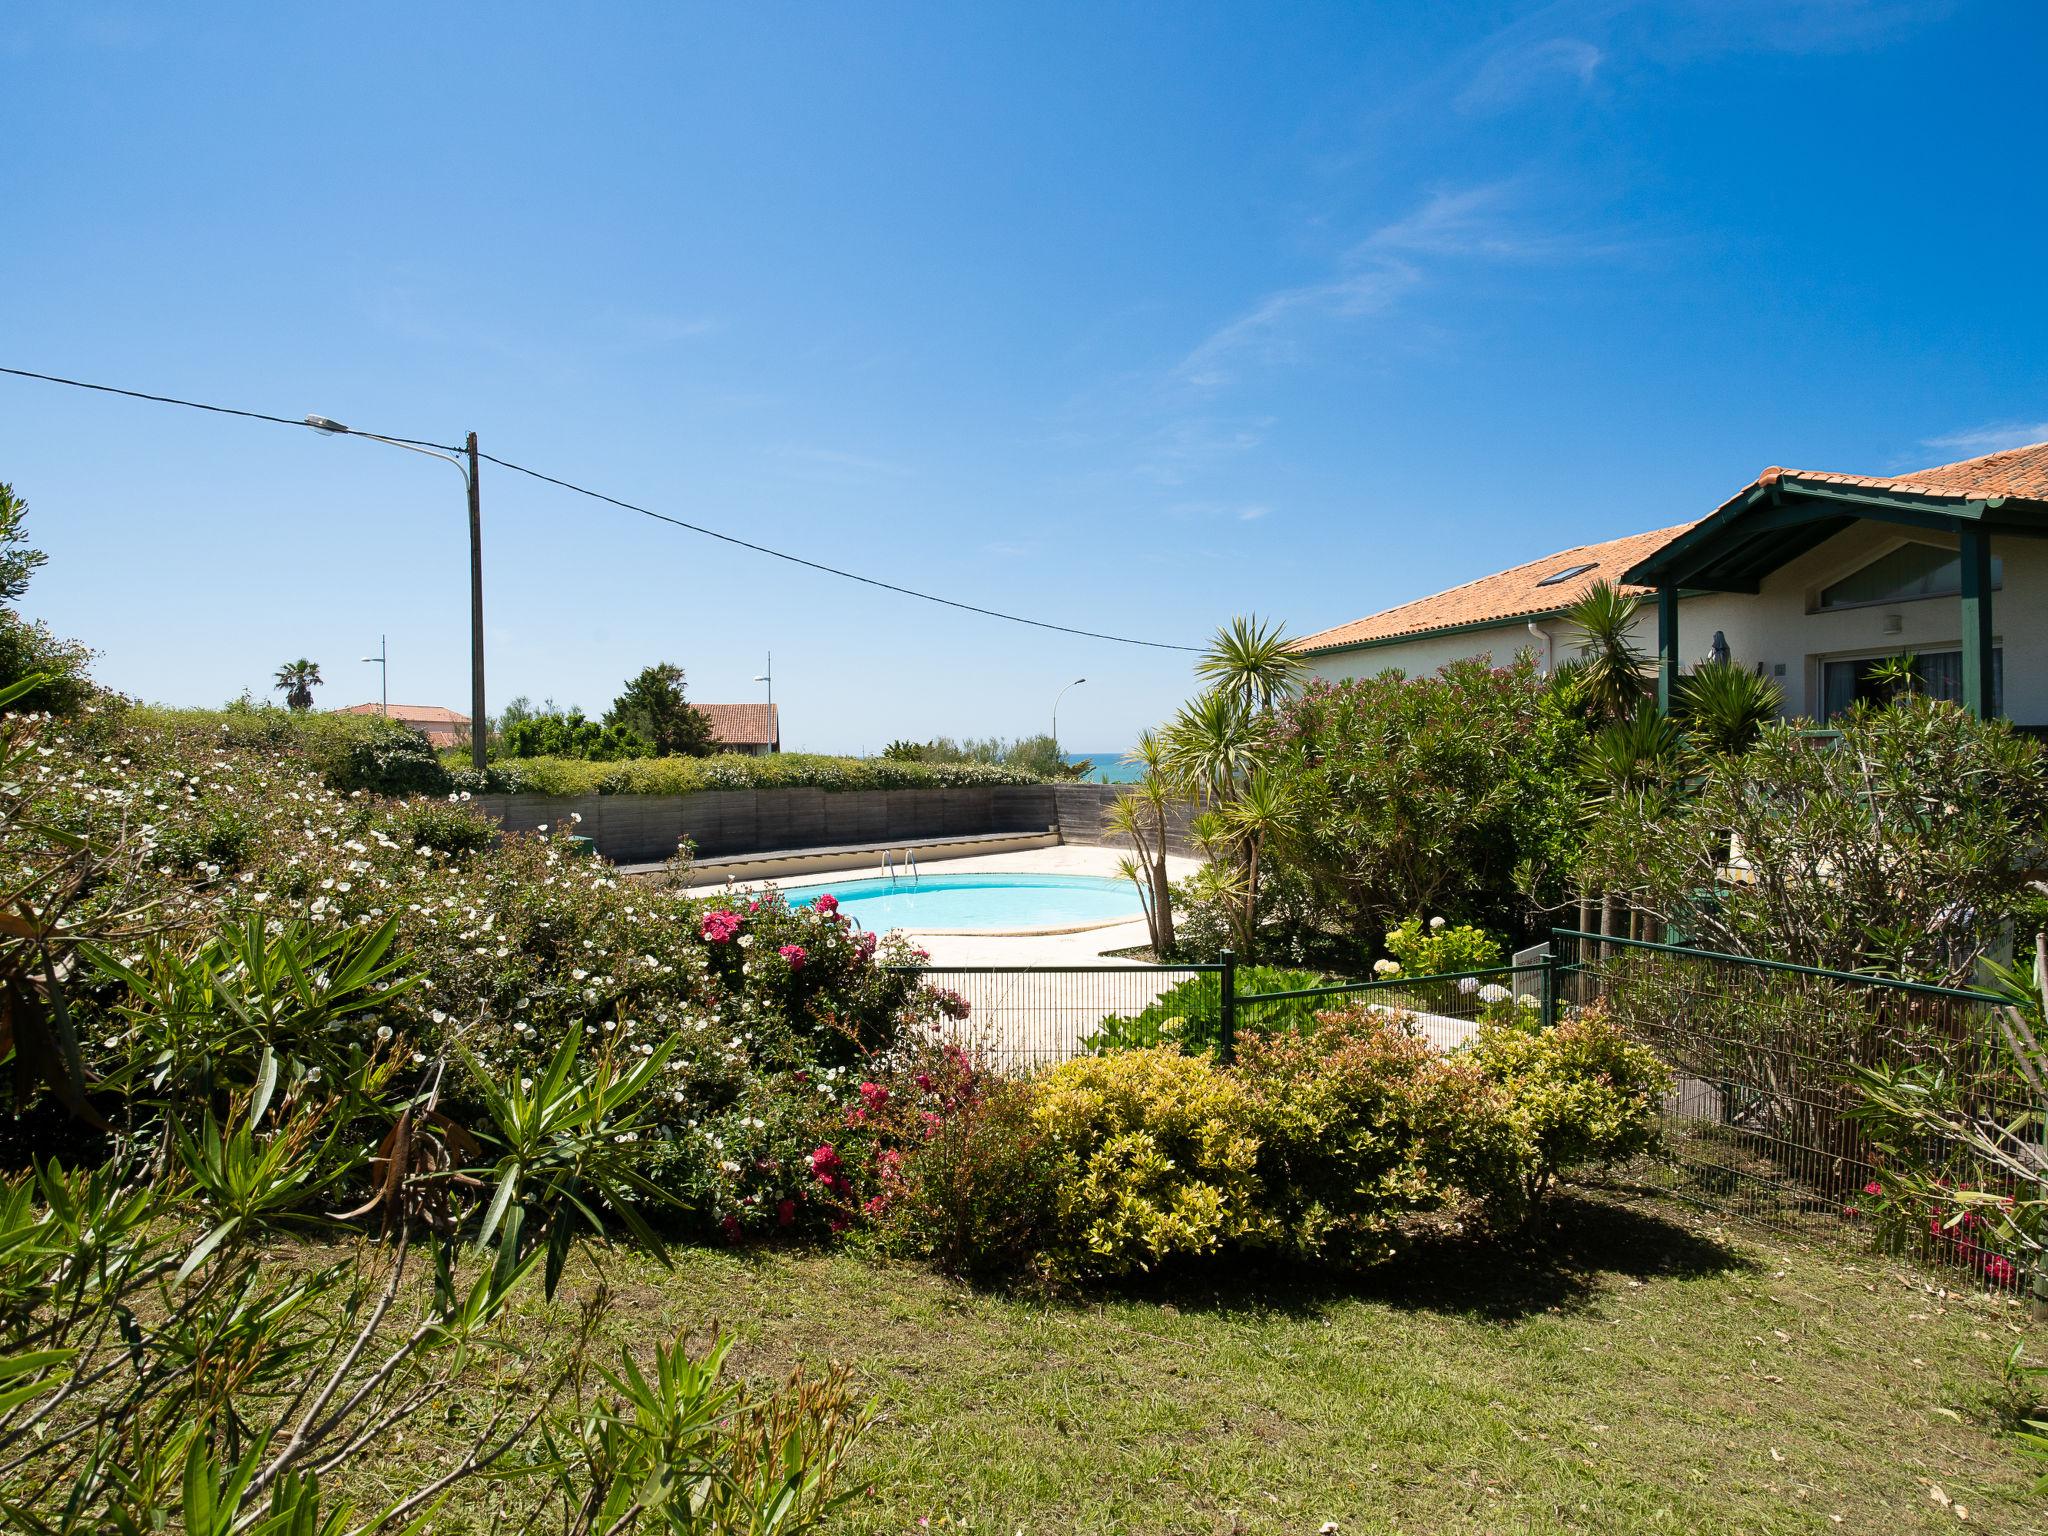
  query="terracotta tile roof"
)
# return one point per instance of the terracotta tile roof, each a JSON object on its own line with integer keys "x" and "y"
{"x": 411, "y": 714}
{"x": 1511, "y": 594}
{"x": 2013, "y": 473}
{"x": 744, "y": 725}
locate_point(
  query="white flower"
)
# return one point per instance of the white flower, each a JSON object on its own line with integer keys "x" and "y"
{"x": 746, "y": 941}
{"x": 1386, "y": 967}
{"x": 1435, "y": 923}
{"x": 1468, "y": 985}
{"x": 1494, "y": 992}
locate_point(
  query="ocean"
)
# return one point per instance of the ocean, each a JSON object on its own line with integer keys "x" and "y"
{"x": 1110, "y": 768}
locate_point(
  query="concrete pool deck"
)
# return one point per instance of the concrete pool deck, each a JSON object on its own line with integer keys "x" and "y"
{"x": 1083, "y": 948}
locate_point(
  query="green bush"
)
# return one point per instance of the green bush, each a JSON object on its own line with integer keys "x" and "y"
{"x": 1439, "y": 947}
{"x": 968, "y": 1182}
{"x": 389, "y": 759}
{"x": 1579, "y": 1094}
{"x": 731, "y": 770}
{"x": 1352, "y": 1117}
{"x": 445, "y": 826}
{"x": 1188, "y": 1013}
{"x": 1156, "y": 1157}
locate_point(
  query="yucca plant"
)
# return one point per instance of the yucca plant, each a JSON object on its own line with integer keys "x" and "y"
{"x": 1725, "y": 706}
{"x": 1611, "y": 675}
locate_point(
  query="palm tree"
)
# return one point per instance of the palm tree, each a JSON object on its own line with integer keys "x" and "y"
{"x": 1140, "y": 816}
{"x": 1611, "y": 676}
{"x": 1255, "y": 664}
{"x": 1725, "y": 706}
{"x": 296, "y": 680}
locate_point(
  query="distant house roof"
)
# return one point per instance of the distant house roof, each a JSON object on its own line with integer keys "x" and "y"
{"x": 1537, "y": 589}
{"x": 443, "y": 727}
{"x": 411, "y": 714}
{"x": 745, "y": 725}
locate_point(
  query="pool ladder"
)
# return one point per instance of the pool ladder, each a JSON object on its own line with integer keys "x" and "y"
{"x": 909, "y": 866}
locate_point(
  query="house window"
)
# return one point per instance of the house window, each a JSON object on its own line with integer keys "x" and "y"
{"x": 1939, "y": 675}
{"x": 1567, "y": 573}
{"x": 1909, "y": 572}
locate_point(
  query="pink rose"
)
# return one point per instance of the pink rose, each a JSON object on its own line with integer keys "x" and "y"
{"x": 794, "y": 954}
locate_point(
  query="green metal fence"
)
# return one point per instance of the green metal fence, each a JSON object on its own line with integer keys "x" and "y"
{"x": 1758, "y": 1122}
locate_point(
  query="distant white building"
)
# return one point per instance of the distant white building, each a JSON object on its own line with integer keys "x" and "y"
{"x": 1810, "y": 577}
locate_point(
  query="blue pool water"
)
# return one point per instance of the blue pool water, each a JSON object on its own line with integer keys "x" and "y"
{"x": 993, "y": 901}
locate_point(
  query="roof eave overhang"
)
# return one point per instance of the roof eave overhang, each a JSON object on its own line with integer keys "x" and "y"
{"x": 1778, "y": 519}
{"x": 1519, "y": 620}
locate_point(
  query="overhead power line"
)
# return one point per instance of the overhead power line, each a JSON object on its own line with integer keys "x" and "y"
{"x": 200, "y": 405}
{"x": 832, "y": 570}
{"x": 648, "y": 512}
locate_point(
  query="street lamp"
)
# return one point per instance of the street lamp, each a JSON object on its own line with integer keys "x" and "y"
{"x": 383, "y": 661}
{"x": 1077, "y": 682}
{"x": 327, "y": 426}
{"x": 768, "y": 677}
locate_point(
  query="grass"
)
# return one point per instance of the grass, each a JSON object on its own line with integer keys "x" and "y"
{"x": 1647, "y": 1374}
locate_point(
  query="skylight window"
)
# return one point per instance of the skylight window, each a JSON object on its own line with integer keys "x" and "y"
{"x": 1567, "y": 573}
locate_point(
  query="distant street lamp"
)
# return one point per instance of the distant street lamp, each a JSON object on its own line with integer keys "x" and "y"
{"x": 383, "y": 661}
{"x": 1077, "y": 682}
{"x": 768, "y": 677}
{"x": 478, "y": 720}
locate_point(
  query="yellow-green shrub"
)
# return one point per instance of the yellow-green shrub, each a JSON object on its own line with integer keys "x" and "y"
{"x": 1578, "y": 1094}
{"x": 1156, "y": 1158}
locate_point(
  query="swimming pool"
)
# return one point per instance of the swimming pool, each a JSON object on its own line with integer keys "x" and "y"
{"x": 995, "y": 902}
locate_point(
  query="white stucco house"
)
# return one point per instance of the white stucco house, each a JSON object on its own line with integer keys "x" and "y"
{"x": 1811, "y": 577}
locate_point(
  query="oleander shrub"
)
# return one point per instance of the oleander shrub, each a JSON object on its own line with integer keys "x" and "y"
{"x": 1580, "y": 1094}
{"x": 1156, "y": 1157}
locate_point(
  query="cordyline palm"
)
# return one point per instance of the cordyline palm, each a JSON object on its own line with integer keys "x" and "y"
{"x": 1611, "y": 676}
{"x": 1259, "y": 813}
{"x": 1140, "y": 816}
{"x": 1643, "y": 754}
{"x": 1213, "y": 745}
{"x": 1255, "y": 664}
{"x": 296, "y": 680}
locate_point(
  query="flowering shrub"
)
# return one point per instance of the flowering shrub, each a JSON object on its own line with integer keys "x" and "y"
{"x": 513, "y": 944}
{"x": 967, "y": 1180}
{"x": 1156, "y": 1158}
{"x": 728, "y": 770}
{"x": 1437, "y": 947}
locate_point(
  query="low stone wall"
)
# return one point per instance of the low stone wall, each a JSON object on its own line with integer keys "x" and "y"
{"x": 644, "y": 829}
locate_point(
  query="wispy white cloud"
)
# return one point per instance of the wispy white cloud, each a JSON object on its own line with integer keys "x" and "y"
{"x": 1190, "y": 446}
{"x": 1513, "y": 73}
{"x": 1485, "y": 223}
{"x": 1235, "y": 511}
{"x": 1991, "y": 437}
{"x": 837, "y": 465}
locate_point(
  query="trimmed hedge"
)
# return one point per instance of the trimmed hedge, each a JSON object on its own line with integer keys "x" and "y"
{"x": 689, "y": 775}
{"x": 371, "y": 753}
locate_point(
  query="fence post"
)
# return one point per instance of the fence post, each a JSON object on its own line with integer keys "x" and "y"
{"x": 1226, "y": 1028}
{"x": 1549, "y": 988}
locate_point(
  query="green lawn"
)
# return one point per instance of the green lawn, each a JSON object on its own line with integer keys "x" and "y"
{"x": 1654, "y": 1374}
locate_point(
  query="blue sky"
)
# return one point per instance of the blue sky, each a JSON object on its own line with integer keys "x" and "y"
{"x": 1129, "y": 317}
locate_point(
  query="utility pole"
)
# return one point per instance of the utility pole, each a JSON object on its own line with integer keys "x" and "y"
{"x": 768, "y": 677}
{"x": 479, "y": 722}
